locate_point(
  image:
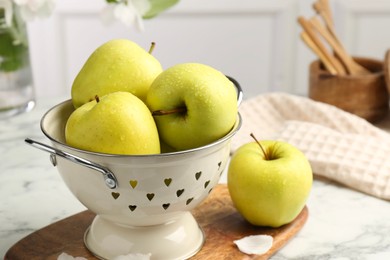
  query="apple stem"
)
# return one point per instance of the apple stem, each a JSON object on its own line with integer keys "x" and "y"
{"x": 97, "y": 98}
{"x": 262, "y": 148}
{"x": 152, "y": 45}
{"x": 170, "y": 111}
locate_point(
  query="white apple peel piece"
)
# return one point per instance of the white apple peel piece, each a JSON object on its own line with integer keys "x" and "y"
{"x": 255, "y": 244}
{"x": 65, "y": 256}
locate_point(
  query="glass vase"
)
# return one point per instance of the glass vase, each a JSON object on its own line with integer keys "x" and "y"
{"x": 16, "y": 81}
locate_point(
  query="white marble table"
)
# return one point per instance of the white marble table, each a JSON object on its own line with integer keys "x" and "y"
{"x": 342, "y": 224}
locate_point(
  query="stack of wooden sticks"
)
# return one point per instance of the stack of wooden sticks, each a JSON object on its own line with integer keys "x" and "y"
{"x": 321, "y": 38}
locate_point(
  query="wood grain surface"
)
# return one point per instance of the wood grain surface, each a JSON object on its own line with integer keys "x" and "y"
{"x": 217, "y": 216}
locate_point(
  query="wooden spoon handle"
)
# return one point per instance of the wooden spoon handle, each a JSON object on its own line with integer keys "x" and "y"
{"x": 310, "y": 31}
{"x": 327, "y": 11}
{"x": 338, "y": 49}
{"x": 323, "y": 9}
{"x": 328, "y": 65}
{"x": 386, "y": 69}
{"x": 351, "y": 66}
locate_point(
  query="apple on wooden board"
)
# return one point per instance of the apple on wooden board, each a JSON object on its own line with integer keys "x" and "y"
{"x": 117, "y": 65}
{"x": 269, "y": 182}
{"x": 117, "y": 123}
{"x": 193, "y": 105}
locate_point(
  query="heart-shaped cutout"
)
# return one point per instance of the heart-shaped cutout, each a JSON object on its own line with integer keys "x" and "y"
{"x": 219, "y": 165}
{"x": 150, "y": 196}
{"x": 179, "y": 192}
{"x": 206, "y": 184}
{"x": 133, "y": 183}
{"x": 166, "y": 206}
{"x": 132, "y": 207}
{"x": 189, "y": 201}
{"x": 197, "y": 175}
{"x": 168, "y": 181}
{"x": 115, "y": 195}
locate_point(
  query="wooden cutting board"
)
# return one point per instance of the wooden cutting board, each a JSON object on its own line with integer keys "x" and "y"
{"x": 219, "y": 220}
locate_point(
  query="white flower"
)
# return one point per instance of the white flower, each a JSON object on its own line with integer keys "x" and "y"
{"x": 30, "y": 9}
{"x": 128, "y": 12}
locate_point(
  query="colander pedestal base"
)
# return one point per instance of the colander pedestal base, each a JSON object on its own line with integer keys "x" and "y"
{"x": 179, "y": 239}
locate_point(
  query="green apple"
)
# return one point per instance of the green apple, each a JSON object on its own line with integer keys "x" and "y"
{"x": 117, "y": 65}
{"x": 193, "y": 105}
{"x": 117, "y": 123}
{"x": 269, "y": 188}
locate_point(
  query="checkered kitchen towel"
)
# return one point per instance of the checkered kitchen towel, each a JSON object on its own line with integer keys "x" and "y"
{"x": 340, "y": 146}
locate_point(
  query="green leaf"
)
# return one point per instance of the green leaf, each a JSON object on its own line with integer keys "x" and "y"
{"x": 158, "y": 6}
{"x": 12, "y": 56}
{"x": 10, "y": 64}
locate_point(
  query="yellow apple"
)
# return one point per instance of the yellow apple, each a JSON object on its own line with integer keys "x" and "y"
{"x": 193, "y": 105}
{"x": 269, "y": 188}
{"x": 117, "y": 123}
{"x": 117, "y": 65}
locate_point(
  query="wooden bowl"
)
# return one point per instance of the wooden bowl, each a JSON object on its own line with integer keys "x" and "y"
{"x": 363, "y": 95}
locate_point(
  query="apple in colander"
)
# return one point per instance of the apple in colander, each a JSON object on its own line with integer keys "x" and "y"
{"x": 193, "y": 105}
{"x": 117, "y": 123}
{"x": 269, "y": 182}
{"x": 116, "y": 65}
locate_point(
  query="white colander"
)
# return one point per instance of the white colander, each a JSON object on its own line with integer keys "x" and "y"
{"x": 142, "y": 202}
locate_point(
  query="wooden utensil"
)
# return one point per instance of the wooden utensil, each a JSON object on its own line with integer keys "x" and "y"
{"x": 386, "y": 69}
{"x": 323, "y": 9}
{"x": 328, "y": 65}
{"x": 329, "y": 34}
{"x": 308, "y": 28}
{"x": 351, "y": 66}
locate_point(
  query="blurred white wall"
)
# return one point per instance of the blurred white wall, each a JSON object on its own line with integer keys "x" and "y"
{"x": 256, "y": 42}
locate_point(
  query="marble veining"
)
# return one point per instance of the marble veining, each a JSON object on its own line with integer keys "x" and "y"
{"x": 342, "y": 223}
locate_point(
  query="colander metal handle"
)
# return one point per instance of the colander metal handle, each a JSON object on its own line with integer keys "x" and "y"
{"x": 109, "y": 177}
{"x": 240, "y": 93}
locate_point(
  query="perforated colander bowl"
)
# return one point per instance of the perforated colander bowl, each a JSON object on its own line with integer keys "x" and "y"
{"x": 142, "y": 202}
